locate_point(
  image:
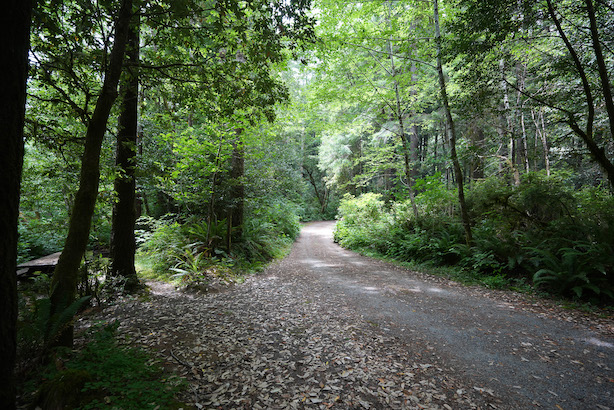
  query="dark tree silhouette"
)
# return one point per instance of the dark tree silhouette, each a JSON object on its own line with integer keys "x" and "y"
{"x": 14, "y": 32}
{"x": 123, "y": 243}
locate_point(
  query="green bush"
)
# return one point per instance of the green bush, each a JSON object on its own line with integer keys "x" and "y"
{"x": 164, "y": 243}
{"x": 39, "y": 236}
{"x": 584, "y": 270}
{"x": 260, "y": 242}
{"x": 436, "y": 203}
{"x": 282, "y": 214}
{"x": 542, "y": 231}
{"x": 362, "y": 211}
{"x": 362, "y": 222}
{"x": 268, "y": 230}
{"x": 190, "y": 248}
{"x": 37, "y": 328}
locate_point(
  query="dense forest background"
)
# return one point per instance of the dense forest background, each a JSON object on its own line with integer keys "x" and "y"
{"x": 193, "y": 137}
{"x": 240, "y": 135}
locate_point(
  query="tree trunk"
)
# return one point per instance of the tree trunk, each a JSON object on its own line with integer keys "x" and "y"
{"x": 522, "y": 145}
{"x": 408, "y": 153}
{"x": 540, "y": 130}
{"x": 123, "y": 242}
{"x": 508, "y": 129}
{"x": 476, "y": 136}
{"x": 211, "y": 217}
{"x": 15, "y": 32}
{"x": 322, "y": 197}
{"x": 435, "y": 157}
{"x": 525, "y": 145}
{"x": 237, "y": 190}
{"x": 545, "y": 146}
{"x": 66, "y": 274}
{"x": 414, "y": 137}
{"x": 444, "y": 97}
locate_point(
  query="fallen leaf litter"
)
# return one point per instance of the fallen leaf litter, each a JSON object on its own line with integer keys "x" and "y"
{"x": 284, "y": 340}
{"x": 269, "y": 344}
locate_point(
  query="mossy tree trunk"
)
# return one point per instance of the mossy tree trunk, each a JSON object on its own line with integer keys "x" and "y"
{"x": 458, "y": 173}
{"x": 66, "y": 274}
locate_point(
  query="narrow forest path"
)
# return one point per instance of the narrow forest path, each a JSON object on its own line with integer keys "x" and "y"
{"x": 327, "y": 328}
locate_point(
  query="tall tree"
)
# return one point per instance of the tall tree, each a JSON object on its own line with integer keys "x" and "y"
{"x": 237, "y": 189}
{"x": 587, "y": 133}
{"x": 458, "y": 173}
{"x": 123, "y": 242}
{"x": 14, "y": 32}
{"x": 65, "y": 276}
{"x": 410, "y": 149}
{"x": 220, "y": 73}
{"x": 567, "y": 73}
{"x": 372, "y": 61}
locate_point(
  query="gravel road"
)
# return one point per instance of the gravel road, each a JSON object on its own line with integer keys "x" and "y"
{"x": 523, "y": 358}
{"x": 328, "y": 328}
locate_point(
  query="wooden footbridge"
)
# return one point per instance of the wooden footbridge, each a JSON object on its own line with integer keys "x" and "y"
{"x": 46, "y": 264}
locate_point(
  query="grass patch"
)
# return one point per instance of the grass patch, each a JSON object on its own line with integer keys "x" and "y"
{"x": 145, "y": 269}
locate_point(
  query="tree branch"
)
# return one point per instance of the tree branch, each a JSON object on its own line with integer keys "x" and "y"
{"x": 603, "y": 71}
{"x": 395, "y": 55}
{"x": 579, "y": 68}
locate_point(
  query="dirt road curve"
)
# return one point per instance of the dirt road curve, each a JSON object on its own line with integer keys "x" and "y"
{"x": 327, "y": 328}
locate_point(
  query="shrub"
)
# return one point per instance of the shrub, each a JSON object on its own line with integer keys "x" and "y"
{"x": 434, "y": 200}
{"x": 260, "y": 241}
{"x": 164, "y": 243}
{"x": 282, "y": 214}
{"x": 189, "y": 250}
{"x": 39, "y": 236}
{"x": 542, "y": 231}
{"x": 362, "y": 211}
{"x": 37, "y": 328}
{"x": 363, "y": 221}
{"x": 575, "y": 271}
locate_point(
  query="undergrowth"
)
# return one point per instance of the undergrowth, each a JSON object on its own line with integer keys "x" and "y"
{"x": 104, "y": 374}
{"x": 456, "y": 273}
{"x": 542, "y": 235}
{"x": 194, "y": 252}
{"x": 99, "y": 374}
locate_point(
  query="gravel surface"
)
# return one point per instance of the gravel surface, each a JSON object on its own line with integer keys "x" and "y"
{"x": 327, "y": 328}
